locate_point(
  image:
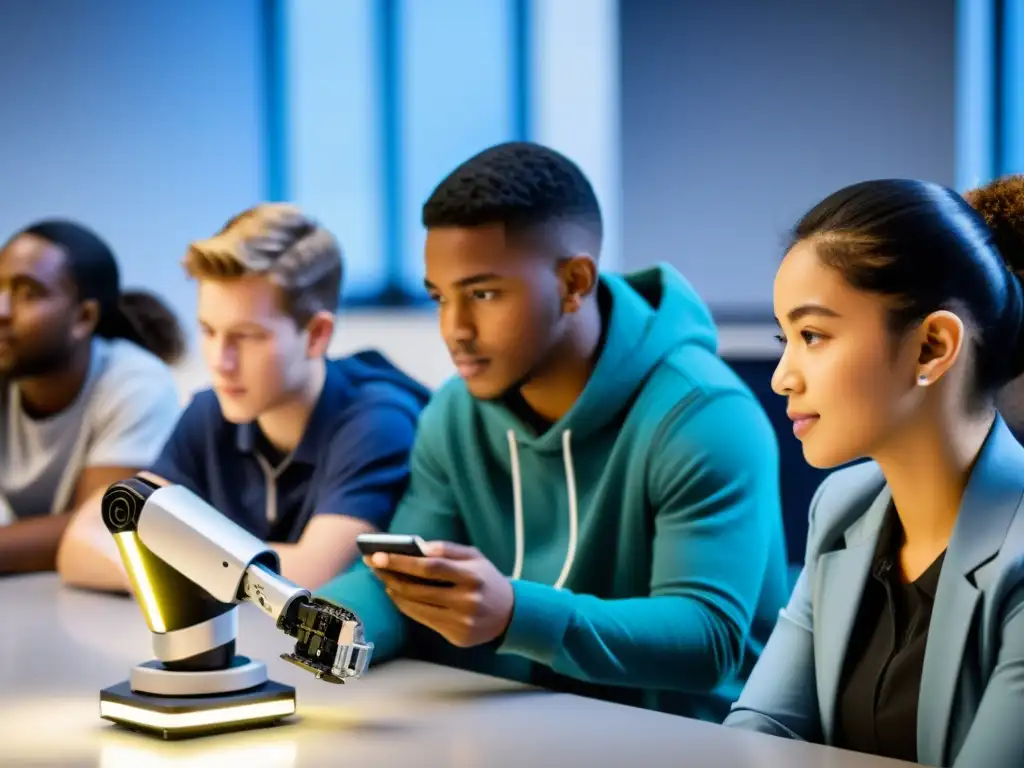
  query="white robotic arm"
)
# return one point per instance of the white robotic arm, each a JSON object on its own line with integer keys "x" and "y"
{"x": 190, "y": 566}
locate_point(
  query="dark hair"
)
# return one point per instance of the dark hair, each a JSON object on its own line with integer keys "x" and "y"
{"x": 520, "y": 185}
{"x": 136, "y": 316}
{"x": 922, "y": 247}
{"x": 279, "y": 241}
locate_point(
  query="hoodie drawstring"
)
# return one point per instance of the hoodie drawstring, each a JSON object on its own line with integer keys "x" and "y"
{"x": 517, "y": 501}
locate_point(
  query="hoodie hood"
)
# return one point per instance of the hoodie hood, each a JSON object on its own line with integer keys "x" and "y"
{"x": 653, "y": 313}
{"x": 375, "y": 375}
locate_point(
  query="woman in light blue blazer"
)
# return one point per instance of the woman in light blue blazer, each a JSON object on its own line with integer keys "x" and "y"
{"x": 904, "y": 635}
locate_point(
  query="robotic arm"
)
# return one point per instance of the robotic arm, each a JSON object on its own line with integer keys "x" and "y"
{"x": 190, "y": 566}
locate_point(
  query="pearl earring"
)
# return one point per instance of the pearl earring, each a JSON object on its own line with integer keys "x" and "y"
{"x": 922, "y": 380}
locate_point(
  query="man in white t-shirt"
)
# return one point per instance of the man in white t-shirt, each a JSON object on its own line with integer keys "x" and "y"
{"x": 86, "y": 394}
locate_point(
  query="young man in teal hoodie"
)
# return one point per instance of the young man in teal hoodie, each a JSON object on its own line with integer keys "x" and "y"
{"x": 598, "y": 490}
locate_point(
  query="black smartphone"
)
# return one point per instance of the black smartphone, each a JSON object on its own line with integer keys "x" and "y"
{"x": 391, "y": 543}
{"x": 397, "y": 544}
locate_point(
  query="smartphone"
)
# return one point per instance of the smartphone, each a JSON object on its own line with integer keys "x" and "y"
{"x": 397, "y": 544}
{"x": 391, "y": 543}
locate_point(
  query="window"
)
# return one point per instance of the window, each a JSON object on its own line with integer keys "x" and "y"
{"x": 990, "y": 101}
{"x": 370, "y": 103}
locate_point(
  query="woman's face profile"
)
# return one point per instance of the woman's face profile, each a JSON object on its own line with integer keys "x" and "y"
{"x": 848, "y": 387}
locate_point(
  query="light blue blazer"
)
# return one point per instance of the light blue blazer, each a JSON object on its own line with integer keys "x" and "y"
{"x": 971, "y": 708}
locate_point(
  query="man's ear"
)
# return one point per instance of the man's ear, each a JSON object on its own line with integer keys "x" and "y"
{"x": 941, "y": 341}
{"x": 87, "y": 320}
{"x": 319, "y": 331}
{"x": 579, "y": 279}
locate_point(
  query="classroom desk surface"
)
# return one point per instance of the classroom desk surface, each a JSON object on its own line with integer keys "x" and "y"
{"x": 59, "y": 647}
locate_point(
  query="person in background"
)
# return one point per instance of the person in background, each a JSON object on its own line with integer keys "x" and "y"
{"x": 86, "y": 394}
{"x": 300, "y": 450}
{"x": 901, "y": 317}
{"x": 597, "y": 487}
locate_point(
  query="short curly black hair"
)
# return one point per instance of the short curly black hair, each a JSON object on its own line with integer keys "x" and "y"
{"x": 519, "y": 184}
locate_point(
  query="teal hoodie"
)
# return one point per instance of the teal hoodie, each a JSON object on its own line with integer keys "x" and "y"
{"x": 642, "y": 532}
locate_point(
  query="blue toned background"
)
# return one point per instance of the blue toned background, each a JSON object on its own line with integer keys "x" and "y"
{"x": 707, "y": 129}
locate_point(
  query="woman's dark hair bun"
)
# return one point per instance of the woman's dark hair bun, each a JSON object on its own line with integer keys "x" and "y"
{"x": 1001, "y": 204}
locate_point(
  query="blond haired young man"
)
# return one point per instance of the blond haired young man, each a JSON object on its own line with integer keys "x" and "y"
{"x": 303, "y": 451}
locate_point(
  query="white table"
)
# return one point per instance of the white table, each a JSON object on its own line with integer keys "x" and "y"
{"x": 59, "y": 647}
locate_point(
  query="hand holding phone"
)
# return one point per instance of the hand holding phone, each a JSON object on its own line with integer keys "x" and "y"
{"x": 448, "y": 587}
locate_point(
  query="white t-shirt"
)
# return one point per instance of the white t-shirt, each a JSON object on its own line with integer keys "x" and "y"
{"x": 124, "y": 414}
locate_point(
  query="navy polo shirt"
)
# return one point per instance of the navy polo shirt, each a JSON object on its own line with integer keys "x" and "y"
{"x": 352, "y": 460}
